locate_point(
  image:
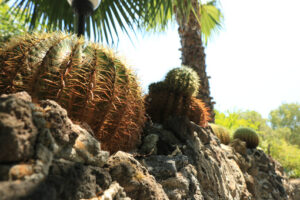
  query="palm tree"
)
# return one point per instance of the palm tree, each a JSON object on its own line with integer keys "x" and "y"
{"x": 103, "y": 24}
{"x": 196, "y": 23}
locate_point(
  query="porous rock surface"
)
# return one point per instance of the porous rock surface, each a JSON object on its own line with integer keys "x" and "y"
{"x": 44, "y": 155}
{"x": 134, "y": 178}
{"x": 295, "y": 188}
{"x": 191, "y": 163}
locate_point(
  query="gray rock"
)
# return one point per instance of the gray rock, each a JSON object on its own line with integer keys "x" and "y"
{"x": 162, "y": 167}
{"x": 114, "y": 192}
{"x": 45, "y": 156}
{"x": 75, "y": 143}
{"x": 134, "y": 178}
{"x": 184, "y": 185}
{"x": 18, "y": 133}
{"x": 19, "y": 95}
{"x": 65, "y": 180}
{"x": 295, "y": 188}
{"x": 167, "y": 140}
{"x": 239, "y": 146}
{"x": 213, "y": 170}
{"x": 150, "y": 144}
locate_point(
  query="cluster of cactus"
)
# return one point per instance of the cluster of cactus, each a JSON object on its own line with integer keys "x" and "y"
{"x": 221, "y": 132}
{"x": 175, "y": 96}
{"x": 247, "y": 135}
{"x": 88, "y": 80}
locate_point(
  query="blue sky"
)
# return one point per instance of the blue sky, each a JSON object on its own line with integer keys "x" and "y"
{"x": 254, "y": 62}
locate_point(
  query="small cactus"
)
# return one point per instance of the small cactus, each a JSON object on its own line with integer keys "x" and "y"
{"x": 247, "y": 135}
{"x": 183, "y": 80}
{"x": 221, "y": 132}
{"x": 88, "y": 80}
{"x": 175, "y": 96}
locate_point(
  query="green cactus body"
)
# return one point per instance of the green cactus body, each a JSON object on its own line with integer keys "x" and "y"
{"x": 221, "y": 132}
{"x": 183, "y": 80}
{"x": 89, "y": 81}
{"x": 247, "y": 135}
{"x": 175, "y": 96}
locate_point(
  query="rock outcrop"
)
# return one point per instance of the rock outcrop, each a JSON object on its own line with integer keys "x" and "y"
{"x": 294, "y": 188}
{"x": 44, "y": 155}
{"x": 191, "y": 163}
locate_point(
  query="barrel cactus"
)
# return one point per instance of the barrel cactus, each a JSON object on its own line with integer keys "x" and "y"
{"x": 221, "y": 132}
{"x": 247, "y": 135}
{"x": 175, "y": 96}
{"x": 88, "y": 80}
{"x": 183, "y": 80}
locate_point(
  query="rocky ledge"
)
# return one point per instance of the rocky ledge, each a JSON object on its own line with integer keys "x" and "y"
{"x": 44, "y": 155}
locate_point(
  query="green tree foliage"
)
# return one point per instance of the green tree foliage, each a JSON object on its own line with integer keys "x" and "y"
{"x": 234, "y": 120}
{"x": 277, "y": 137}
{"x": 287, "y": 116}
{"x": 283, "y": 151}
{"x": 10, "y": 24}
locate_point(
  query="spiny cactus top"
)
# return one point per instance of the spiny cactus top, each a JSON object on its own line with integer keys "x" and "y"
{"x": 88, "y": 80}
{"x": 247, "y": 135}
{"x": 183, "y": 80}
{"x": 175, "y": 96}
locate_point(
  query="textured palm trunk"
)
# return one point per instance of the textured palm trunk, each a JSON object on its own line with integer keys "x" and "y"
{"x": 193, "y": 55}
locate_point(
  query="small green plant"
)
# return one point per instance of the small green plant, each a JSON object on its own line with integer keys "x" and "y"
{"x": 221, "y": 132}
{"x": 88, "y": 80}
{"x": 175, "y": 96}
{"x": 247, "y": 135}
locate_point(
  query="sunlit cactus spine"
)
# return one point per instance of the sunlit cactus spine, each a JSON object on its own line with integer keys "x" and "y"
{"x": 175, "y": 97}
{"x": 88, "y": 80}
{"x": 247, "y": 135}
{"x": 221, "y": 132}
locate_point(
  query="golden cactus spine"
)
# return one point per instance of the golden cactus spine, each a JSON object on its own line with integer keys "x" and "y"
{"x": 88, "y": 80}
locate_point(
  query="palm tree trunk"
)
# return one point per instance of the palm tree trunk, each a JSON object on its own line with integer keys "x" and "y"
{"x": 81, "y": 25}
{"x": 193, "y": 55}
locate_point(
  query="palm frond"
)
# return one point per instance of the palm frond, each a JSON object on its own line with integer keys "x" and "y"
{"x": 210, "y": 20}
{"x": 110, "y": 16}
{"x": 209, "y": 15}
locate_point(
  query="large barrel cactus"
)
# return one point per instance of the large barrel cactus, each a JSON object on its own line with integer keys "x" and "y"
{"x": 247, "y": 135}
{"x": 175, "y": 96}
{"x": 88, "y": 80}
